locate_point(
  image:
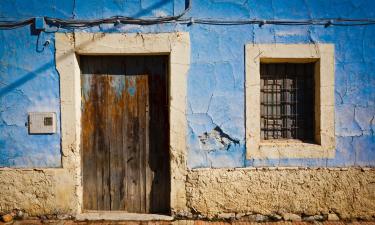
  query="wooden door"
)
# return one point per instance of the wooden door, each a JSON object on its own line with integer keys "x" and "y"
{"x": 125, "y": 133}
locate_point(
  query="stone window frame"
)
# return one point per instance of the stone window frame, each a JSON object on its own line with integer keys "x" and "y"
{"x": 324, "y": 133}
{"x": 68, "y": 48}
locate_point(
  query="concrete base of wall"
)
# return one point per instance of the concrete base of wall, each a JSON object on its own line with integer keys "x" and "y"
{"x": 215, "y": 193}
{"x": 37, "y": 192}
{"x": 247, "y": 193}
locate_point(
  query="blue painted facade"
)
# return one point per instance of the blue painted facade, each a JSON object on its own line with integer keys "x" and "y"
{"x": 29, "y": 80}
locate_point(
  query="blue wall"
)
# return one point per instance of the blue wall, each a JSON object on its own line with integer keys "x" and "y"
{"x": 30, "y": 82}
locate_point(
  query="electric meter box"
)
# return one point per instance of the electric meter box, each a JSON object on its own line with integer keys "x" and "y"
{"x": 42, "y": 123}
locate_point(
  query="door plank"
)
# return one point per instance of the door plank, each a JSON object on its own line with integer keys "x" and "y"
{"x": 115, "y": 110}
{"x": 133, "y": 181}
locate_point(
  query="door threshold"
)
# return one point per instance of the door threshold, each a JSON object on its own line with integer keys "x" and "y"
{"x": 120, "y": 215}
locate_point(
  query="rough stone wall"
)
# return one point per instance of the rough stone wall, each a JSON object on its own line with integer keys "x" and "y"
{"x": 350, "y": 193}
{"x": 37, "y": 192}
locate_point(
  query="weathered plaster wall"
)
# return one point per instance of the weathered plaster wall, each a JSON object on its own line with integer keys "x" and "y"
{"x": 216, "y": 132}
{"x": 216, "y": 93}
{"x": 349, "y": 193}
{"x": 29, "y": 81}
{"x": 38, "y": 192}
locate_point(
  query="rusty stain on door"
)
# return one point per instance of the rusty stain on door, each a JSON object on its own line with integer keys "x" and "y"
{"x": 125, "y": 133}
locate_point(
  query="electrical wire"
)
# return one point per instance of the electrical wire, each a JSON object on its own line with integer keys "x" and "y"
{"x": 76, "y": 23}
{"x": 73, "y": 23}
{"x": 15, "y": 24}
{"x": 114, "y": 20}
{"x": 324, "y": 22}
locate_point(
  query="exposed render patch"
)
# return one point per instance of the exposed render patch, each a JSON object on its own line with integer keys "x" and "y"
{"x": 216, "y": 139}
{"x": 348, "y": 192}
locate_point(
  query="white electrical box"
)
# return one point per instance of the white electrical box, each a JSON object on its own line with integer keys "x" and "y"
{"x": 42, "y": 122}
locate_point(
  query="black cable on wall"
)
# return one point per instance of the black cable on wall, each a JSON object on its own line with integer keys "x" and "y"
{"x": 76, "y": 23}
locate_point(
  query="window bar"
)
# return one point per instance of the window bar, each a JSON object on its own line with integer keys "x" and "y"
{"x": 283, "y": 107}
{"x": 273, "y": 108}
{"x": 267, "y": 106}
{"x": 296, "y": 103}
{"x": 264, "y": 106}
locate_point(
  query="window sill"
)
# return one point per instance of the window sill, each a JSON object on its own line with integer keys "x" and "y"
{"x": 284, "y": 142}
{"x": 291, "y": 149}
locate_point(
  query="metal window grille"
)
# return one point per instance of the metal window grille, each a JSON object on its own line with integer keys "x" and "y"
{"x": 287, "y": 101}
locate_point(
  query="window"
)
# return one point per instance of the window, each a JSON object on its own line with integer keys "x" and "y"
{"x": 289, "y": 101}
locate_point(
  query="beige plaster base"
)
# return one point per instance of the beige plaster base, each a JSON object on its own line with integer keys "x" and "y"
{"x": 349, "y": 193}
{"x": 37, "y": 192}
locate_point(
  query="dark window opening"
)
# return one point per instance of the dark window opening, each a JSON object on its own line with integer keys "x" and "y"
{"x": 47, "y": 121}
{"x": 287, "y": 101}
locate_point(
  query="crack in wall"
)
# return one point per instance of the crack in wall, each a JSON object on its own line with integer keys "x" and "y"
{"x": 355, "y": 120}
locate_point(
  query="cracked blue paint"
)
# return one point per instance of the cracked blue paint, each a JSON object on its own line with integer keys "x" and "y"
{"x": 29, "y": 80}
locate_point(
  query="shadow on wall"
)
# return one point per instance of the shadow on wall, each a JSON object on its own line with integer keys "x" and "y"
{"x": 152, "y": 7}
{"x": 29, "y": 76}
{"x": 28, "y": 154}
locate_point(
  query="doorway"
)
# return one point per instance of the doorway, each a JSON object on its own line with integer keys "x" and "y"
{"x": 125, "y": 133}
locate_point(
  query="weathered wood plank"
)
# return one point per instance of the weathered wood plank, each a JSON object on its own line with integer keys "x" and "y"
{"x": 142, "y": 99}
{"x": 115, "y": 110}
{"x": 133, "y": 68}
{"x": 87, "y": 143}
{"x": 106, "y": 150}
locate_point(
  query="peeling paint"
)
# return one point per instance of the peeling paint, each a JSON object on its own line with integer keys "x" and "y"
{"x": 216, "y": 139}
{"x": 131, "y": 89}
{"x": 29, "y": 80}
